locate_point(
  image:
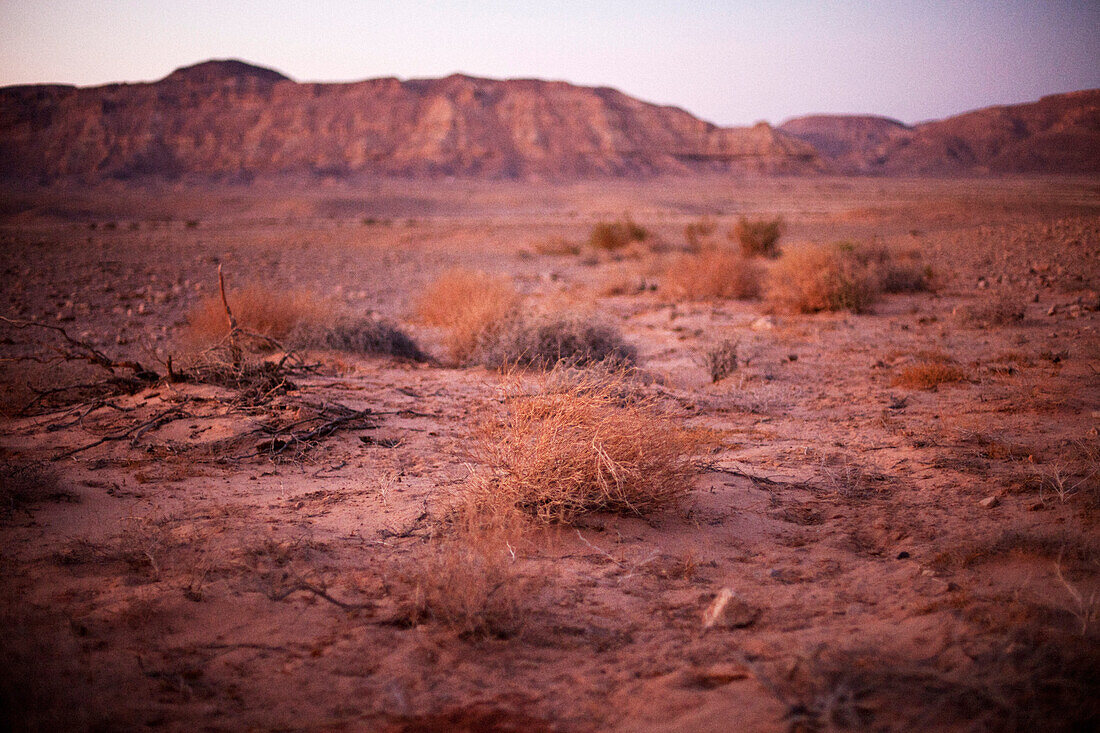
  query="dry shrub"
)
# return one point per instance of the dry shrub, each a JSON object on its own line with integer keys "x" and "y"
{"x": 271, "y": 313}
{"x": 358, "y": 336}
{"x": 469, "y": 580}
{"x": 616, "y": 235}
{"x": 623, "y": 281}
{"x": 557, "y": 246}
{"x": 818, "y": 277}
{"x": 583, "y": 444}
{"x": 928, "y": 375}
{"x": 720, "y": 360}
{"x": 758, "y": 237}
{"x": 469, "y": 306}
{"x": 902, "y": 272}
{"x": 546, "y": 341}
{"x": 713, "y": 273}
{"x": 699, "y": 234}
{"x": 23, "y": 484}
{"x": 999, "y": 310}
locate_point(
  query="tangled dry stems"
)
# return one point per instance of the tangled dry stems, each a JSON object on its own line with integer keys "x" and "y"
{"x": 713, "y": 273}
{"x": 929, "y": 375}
{"x": 268, "y": 319}
{"x": 758, "y": 237}
{"x": 259, "y": 309}
{"x": 816, "y": 277}
{"x": 583, "y": 444}
{"x": 550, "y": 340}
{"x": 617, "y": 234}
{"x": 469, "y": 307}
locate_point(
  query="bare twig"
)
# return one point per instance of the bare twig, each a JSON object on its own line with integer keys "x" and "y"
{"x": 134, "y": 432}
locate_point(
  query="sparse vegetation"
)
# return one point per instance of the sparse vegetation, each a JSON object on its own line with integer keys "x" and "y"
{"x": 468, "y": 583}
{"x": 758, "y": 237}
{"x": 995, "y": 310}
{"x": 358, "y": 336}
{"x": 720, "y": 360}
{"x": 929, "y": 374}
{"x": 578, "y": 447}
{"x": 713, "y": 273}
{"x": 615, "y": 235}
{"x": 297, "y": 320}
{"x": 24, "y": 484}
{"x": 698, "y": 234}
{"x": 557, "y": 246}
{"x": 816, "y": 278}
{"x": 551, "y": 340}
{"x": 263, "y": 310}
{"x": 470, "y": 307}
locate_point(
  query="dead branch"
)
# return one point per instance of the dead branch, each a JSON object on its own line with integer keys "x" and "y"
{"x": 87, "y": 352}
{"x": 160, "y": 419}
{"x": 301, "y": 585}
{"x": 234, "y": 347}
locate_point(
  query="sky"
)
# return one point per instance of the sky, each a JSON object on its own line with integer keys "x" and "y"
{"x": 729, "y": 62}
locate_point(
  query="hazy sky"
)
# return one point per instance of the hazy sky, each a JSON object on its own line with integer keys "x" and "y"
{"x": 729, "y": 62}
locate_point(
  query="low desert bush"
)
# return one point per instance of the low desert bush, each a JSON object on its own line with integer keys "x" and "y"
{"x": 546, "y": 341}
{"x": 998, "y": 310}
{"x": 758, "y": 237}
{"x": 929, "y": 374}
{"x": 470, "y": 307}
{"x": 266, "y": 311}
{"x": 557, "y": 246}
{"x": 584, "y": 444}
{"x": 467, "y": 583}
{"x": 616, "y": 235}
{"x": 712, "y": 273}
{"x": 720, "y": 360}
{"x": 819, "y": 277}
{"x": 298, "y": 321}
{"x": 358, "y": 336}
{"x": 24, "y": 484}
{"x": 699, "y": 234}
{"x": 896, "y": 270}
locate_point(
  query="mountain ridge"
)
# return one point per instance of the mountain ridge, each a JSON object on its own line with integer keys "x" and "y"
{"x": 226, "y": 119}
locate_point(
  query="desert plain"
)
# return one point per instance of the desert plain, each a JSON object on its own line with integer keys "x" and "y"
{"x": 857, "y": 545}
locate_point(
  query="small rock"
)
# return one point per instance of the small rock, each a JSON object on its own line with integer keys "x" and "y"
{"x": 763, "y": 323}
{"x": 717, "y": 675}
{"x": 730, "y": 611}
{"x": 982, "y": 283}
{"x": 1053, "y": 310}
{"x": 989, "y": 502}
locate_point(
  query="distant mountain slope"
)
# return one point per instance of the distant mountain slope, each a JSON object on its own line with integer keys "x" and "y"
{"x": 228, "y": 119}
{"x": 1057, "y": 134}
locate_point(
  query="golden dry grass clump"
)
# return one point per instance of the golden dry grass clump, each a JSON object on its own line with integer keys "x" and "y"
{"x": 817, "y": 277}
{"x": 617, "y": 234}
{"x": 467, "y": 583}
{"x": 295, "y": 320}
{"x": 929, "y": 374}
{"x": 266, "y": 311}
{"x": 758, "y": 237}
{"x": 469, "y": 306}
{"x": 580, "y": 445}
{"x": 713, "y": 273}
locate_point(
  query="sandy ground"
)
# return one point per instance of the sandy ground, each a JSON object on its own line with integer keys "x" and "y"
{"x": 902, "y": 559}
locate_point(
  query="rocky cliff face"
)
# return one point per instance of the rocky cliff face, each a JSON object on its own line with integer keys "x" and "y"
{"x": 1057, "y": 134}
{"x": 226, "y": 119}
